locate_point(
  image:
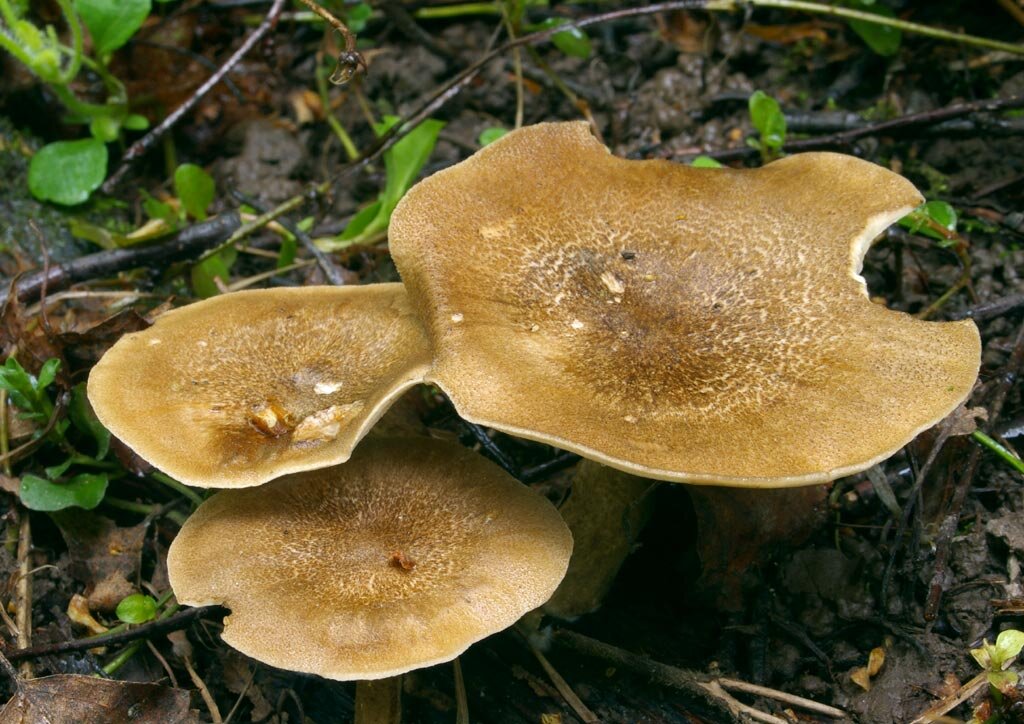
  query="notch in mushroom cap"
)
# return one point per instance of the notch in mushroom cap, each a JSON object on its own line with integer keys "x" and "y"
{"x": 239, "y": 389}
{"x": 399, "y": 559}
{"x": 696, "y": 325}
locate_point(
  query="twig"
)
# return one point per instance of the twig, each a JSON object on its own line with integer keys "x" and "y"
{"x": 148, "y": 141}
{"x": 847, "y": 13}
{"x": 993, "y": 309}
{"x": 782, "y": 696}
{"x": 895, "y": 125}
{"x": 328, "y": 267}
{"x": 461, "y": 703}
{"x": 24, "y": 588}
{"x": 944, "y": 706}
{"x": 350, "y": 60}
{"x": 692, "y": 683}
{"x": 175, "y": 622}
{"x": 491, "y": 448}
{"x": 574, "y": 702}
{"x": 211, "y": 705}
{"x": 185, "y": 243}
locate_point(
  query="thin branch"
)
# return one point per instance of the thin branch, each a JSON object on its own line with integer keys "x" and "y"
{"x": 148, "y": 141}
{"x": 184, "y": 244}
{"x": 178, "y": 621}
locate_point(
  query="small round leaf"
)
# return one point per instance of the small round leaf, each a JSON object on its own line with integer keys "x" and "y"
{"x": 136, "y": 608}
{"x": 66, "y": 172}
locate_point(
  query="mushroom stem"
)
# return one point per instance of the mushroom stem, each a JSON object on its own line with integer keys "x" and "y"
{"x": 380, "y": 701}
{"x": 605, "y": 511}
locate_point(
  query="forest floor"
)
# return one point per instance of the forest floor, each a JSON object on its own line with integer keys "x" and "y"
{"x": 795, "y": 598}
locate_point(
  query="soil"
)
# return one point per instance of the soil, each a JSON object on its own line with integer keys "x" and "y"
{"x": 795, "y": 598}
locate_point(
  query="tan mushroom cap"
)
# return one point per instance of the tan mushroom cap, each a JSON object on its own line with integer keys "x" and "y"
{"x": 696, "y": 325}
{"x": 399, "y": 559}
{"x": 239, "y": 389}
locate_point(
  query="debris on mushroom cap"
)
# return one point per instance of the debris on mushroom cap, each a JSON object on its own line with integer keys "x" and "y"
{"x": 401, "y": 558}
{"x": 696, "y": 325}
{"x": 239, "y": 389}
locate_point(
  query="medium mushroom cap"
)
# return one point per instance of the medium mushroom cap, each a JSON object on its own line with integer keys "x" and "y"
{"x": 696, "y": 325}
{"x": 239, "y": 389}
{"x": 399, "y": 559}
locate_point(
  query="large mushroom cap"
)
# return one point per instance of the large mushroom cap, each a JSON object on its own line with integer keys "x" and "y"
{"x": 698, "y": 325}
{"x": 400, "y": 558}
{"x": 242, "y": 388}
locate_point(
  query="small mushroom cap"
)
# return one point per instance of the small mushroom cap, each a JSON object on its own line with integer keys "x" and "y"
{"x": 399, "y": 559}
{"x": 239, "y": 389}
{"x": 696, "y": 325}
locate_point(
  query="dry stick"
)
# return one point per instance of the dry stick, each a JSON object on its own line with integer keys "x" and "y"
{"x": 148, "y": 141}
{"x": 895, "y": 125}
{"x": 852, "y": 14}
{"x": 24, "y": 614}
{"x": 158, "y": 626}
{"x": 211, "y": 705}
{"x": 574, "y": 702}
{"x": 461, "y": 702}
{"x": 184, "y": 244}
{"x": 990, "y": 310}
{"x": 782, "y": 696}
{"x": 692, "y": 683}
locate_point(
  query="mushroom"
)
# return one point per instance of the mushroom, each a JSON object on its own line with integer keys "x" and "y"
{"x": 239, "y": 389}
{"x": 695, "y": 325}
{"x": 399, "y": 559}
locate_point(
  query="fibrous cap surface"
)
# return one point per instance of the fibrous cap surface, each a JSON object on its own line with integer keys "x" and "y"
{"x": 242, "y": 388}
{"x": 400, "y": 558}
{"x": 697, "y": 325}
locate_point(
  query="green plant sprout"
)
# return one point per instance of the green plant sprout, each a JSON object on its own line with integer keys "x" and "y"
{"x": 767, "y": 117}
{"x": 67, "y": 172}
{"x": 57, "y": 490}
{"x": 996, "y": 659}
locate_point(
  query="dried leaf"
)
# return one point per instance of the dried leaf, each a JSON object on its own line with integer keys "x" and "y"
{"x": 103, "y": 556}
{"x": 876, "y": 659}
{"x": 78, "y": 612}
{"x": 75, "y": 699}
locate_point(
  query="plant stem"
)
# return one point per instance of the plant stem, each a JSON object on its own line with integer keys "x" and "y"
{"x": 179, "y": 487}
{"x": 1012, "y": 460}
{"x": 852, "y": 14}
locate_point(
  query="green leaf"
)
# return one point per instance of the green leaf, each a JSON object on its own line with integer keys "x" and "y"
{"x": 490, "y": 135}
{"x": 105, "y": 128}
{"x": 84, "y": 491}
{"x": 66, "y": 172}
{"x": 135, "y": 122}
{"x": 112, "y": 22}
{"x": 1003, "y": 679}
{"x": 216, "y": 266}
{"x": 1008, "y": 644}
{"x": 156, "y": 209}
{"x": 705, "y": 162}
{"x": 55, "y": 471}
{"x": 83, "y": 418}
{"x": 27, "y": 392}
{"x": 921, "y": 219}
{"x": 356, "y": 17}
{"x": 766, "y": 115}
{"x": 195, "y": 188}
{"x": 286, "y": 255}
{"x": 983, "y": 655}
{"x": 571, "y": 41}
{"x": 883, "y": 39}
{"x": 137, "y": 608}
{"x": 358, "y": 224}
{"x": 402, "y": 164}
{"x": 47, "y": 373}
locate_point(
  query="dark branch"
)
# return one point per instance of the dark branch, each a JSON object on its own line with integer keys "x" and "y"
{"x": 186, "y": 243}
{"x": 178, "y": 621}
